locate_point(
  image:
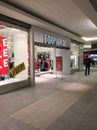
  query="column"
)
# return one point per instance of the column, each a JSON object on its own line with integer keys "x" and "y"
{"x": 32, "y": 72}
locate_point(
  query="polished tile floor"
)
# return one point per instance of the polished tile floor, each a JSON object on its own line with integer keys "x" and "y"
{"x": 62, "y": 103}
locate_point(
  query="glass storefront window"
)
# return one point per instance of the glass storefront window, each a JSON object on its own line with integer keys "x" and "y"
{"x": 13, "y": 55}
{"x": 74, "y": 56}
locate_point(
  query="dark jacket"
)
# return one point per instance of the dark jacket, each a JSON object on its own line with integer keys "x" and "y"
{"x": 87, "y": 62}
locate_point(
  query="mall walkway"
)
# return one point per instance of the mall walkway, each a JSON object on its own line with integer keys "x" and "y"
{"x": 54, "y": 104}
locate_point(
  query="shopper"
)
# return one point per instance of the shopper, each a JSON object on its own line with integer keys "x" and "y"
{"x": 87, "y": 63}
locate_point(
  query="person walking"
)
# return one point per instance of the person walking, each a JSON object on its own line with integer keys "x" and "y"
{"x": 87, "y": 63}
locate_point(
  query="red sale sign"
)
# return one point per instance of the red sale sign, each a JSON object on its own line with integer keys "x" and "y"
{"x": 3, "y": 56}
{"x": 59, "y": 63}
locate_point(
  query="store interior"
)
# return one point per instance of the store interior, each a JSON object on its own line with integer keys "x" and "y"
{"x": 43, "y": 60}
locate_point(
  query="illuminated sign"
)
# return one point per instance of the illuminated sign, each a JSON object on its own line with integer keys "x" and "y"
{"x": 16, "y": 70}
{"x": 48, "y": 39}
{"x": 3, "y": 56}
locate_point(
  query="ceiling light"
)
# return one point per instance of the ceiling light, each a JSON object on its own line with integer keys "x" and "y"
{"x": 87, "y": 46}
{"x": 89, "y": 39}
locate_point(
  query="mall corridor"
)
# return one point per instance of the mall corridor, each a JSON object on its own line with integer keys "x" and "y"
{"x": 68, "y": 103}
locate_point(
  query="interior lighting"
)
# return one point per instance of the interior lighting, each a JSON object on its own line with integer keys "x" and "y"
{"x": 87, "y": 46}
{"x": 89, "y": 39}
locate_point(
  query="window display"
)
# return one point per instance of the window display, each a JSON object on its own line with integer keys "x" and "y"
{"x": 3, "y": 56}
{"x": 13, "y": 55}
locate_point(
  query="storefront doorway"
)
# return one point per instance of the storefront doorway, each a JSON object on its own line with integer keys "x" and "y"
{"x": 43, "y": 61}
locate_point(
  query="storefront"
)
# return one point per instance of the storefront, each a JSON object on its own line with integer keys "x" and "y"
{"x": 92, "y": 54}
{"x": 76, "y": 56}
{"x": 14, "y": 57}
{"x": 17, "y": 53}
{"x": 49, "y": 46}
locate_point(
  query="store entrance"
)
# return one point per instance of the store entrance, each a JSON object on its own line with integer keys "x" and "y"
{"x": 43, "y": 60}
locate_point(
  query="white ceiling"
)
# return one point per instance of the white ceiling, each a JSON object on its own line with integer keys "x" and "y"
{"x": 77, "y": 16}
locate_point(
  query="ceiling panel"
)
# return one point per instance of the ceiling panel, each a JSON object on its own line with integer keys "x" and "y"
{"x": 77, "y": 16}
